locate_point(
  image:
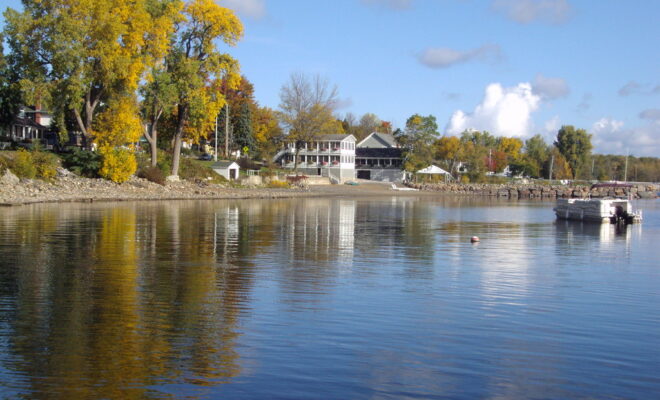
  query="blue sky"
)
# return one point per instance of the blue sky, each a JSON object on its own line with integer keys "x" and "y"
{"x": 512, "y": 67}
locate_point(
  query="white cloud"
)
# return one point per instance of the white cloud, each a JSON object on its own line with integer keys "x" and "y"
{"x": 395, "y": 4}
{"x": 444, "y": 57}
{"x": 503, "y": 111}
{"x": 527, "y": 11}
{"x": 609, "y": 137}
{"x": 250, "y": 8}
{"x": 550, "y": 88}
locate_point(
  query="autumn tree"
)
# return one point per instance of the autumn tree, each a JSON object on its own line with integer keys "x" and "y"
{"x": 85, "y": 52}
{"x": 267, "y": 131}
{"x": 197, "y": 69}
{"x": 575, "y": 146}
{"x": 447, "y": 150}
{"x": 306, "y": 109}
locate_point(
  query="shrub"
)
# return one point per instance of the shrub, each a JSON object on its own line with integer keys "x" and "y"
{"x": 277, "y": 184}
{"x": 83, "y": 163}
{"x": 46, "y": 164}
{"x": 117, "y": 165}
{"x": 23, "y": 166}
{"x": 152, "y": 174}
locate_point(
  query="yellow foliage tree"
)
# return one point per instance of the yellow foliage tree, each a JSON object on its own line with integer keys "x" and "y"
{"x": 511, "y": 147}
{"x": 84, "y": 52}
{"x": 197, "y": 69}
{"x": 117, "y": 164}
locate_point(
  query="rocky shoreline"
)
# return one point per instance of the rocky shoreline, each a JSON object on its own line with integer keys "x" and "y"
{"x": 67, "y": 187}
{"x": 638, "y": 191}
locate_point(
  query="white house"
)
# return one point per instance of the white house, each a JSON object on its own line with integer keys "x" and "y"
{"x": 328, "y": 155}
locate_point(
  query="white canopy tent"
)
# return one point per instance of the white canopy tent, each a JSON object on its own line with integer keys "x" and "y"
{"x": 435, "y": 170}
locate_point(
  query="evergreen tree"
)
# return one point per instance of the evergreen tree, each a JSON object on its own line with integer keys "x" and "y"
{"x": 243, "y": 134}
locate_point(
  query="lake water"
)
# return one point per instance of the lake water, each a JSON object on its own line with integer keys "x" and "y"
{"x": 326, "y": 298}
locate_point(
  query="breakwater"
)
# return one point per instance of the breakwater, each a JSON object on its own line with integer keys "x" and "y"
{"x": 638, "y": 191}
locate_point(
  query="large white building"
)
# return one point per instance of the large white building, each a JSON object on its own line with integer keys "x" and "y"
{"x": 329, "y": 155}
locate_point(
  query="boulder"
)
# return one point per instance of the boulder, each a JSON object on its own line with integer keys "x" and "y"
{"x": 9, "y": 179}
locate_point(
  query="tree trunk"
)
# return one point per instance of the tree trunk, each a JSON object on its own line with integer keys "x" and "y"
{"x": 151, "y": 134}
{"x": 86, "y": 125}
{"x": 178, "y": 138}
{"x": 176, "y": 154}
{"x": 295, "y": 159}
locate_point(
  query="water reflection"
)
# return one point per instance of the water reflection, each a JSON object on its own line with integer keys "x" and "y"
{"x": 204, "y": 299}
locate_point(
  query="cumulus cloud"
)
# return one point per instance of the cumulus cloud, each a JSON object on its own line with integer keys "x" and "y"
{"x": 394, "y": 4}
{"x": 527, "y": 11}
{"x": 250, "y": 8}
{"x": 503, "y": 111}
{"x": 652, "y": 114}
{"x": 610, "y": 137}
{"x": 550, "y": 88}
{"x": 444, "y": 57}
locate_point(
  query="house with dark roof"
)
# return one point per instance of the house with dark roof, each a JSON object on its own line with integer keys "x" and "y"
{"x": 378, "y": 157}
{"x": 328, "y": 155}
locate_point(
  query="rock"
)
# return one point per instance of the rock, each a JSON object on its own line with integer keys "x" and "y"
{"x": 63, "y": 172}
{"x": 9, "y": 179}
{"x": 172, "y": 178}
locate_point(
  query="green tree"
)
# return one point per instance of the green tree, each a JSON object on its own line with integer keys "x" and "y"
{"x": 535, "y": 156}
{"x": 575, "y": 146}
{"x": 417, "y": 140}
{"x": 10, "y": 95}
{"x": 243, "y": 134}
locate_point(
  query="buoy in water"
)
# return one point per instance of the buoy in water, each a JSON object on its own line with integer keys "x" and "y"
{"x": 474, "y": 239}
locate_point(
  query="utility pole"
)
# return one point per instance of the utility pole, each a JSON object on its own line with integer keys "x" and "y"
{"x": 227, "y": 130}
{"x": 625, "y": 170}
{"x": 215, "y": 155}
{"x": 593, "y": 160}
{"x": 552, "y": 163}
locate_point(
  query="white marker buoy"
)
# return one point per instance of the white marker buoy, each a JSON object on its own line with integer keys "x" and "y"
{"x": 474, "y": 239}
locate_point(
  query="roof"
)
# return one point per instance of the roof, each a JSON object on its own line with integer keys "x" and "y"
{"x": 378, "y": 152}
{"x": 339, "y": 137}
{"x": 432, "y": 169}
{"x": 224, "y": 164}
{"x": 379, "y": 139}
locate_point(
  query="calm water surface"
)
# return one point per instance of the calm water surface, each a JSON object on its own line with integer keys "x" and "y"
{"x": 336, "y": 298}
